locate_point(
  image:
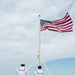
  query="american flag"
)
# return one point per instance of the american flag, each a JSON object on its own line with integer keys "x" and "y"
{"x": 62, "y": 25}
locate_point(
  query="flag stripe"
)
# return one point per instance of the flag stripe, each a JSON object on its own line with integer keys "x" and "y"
{"x": 60, "y": 30}
{"x": 63, "y": 22}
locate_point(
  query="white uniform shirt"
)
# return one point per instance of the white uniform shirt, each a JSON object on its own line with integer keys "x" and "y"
{"x": 39, "y": 72}
{"x": 22, "y": 71}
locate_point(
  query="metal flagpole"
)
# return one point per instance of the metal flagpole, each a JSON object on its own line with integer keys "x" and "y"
{"x": 38, "y": 56}
{"x": 39, "y": 52}
{"x": 39, "y": 44}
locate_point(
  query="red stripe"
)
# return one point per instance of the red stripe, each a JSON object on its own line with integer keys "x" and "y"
{"x": 66, "y": 27}
{"x": 51, "y": 26}
{"x": 60, "y": 19}
{"x": 42, "y": 28}
{"x": 67, "y": 17}
{"x": 53, "y": 30}
{"x": 63, "y": 22}
{"x": 66, "y": 24}
{"x": 66, "y": 30}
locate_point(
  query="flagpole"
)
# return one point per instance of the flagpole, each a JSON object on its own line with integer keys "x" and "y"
{"x": 39, "y": 43}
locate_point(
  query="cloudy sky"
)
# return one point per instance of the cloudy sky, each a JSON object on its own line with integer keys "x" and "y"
{"x": 19, "y": 24}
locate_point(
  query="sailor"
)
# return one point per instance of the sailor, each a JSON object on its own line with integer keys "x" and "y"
{"x": 39, "y": 71}
{"x": 22, "y": 70}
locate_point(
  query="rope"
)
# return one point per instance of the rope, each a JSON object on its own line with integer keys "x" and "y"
{"x": 46, "y": 68}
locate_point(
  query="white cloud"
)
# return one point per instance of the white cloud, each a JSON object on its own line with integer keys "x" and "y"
{"x": 60, "y": 47}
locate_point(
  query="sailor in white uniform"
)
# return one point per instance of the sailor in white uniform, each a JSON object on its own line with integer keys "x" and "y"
{"x": 39, "y": 71}
{"x": 22, "y": 70}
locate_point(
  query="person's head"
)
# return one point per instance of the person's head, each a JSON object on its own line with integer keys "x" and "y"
{"x": 39, "y": 67}
{"x": 22, "y": 65}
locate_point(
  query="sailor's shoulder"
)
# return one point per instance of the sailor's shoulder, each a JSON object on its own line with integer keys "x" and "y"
{"x": 16, "y": 69}
{"x": 26, "y": 69}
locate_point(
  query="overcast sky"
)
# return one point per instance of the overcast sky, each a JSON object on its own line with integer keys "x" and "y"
{"x": 19, "y": 24}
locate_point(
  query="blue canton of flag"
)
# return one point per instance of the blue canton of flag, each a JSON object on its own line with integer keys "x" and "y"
{"x": 43, "y": 24}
